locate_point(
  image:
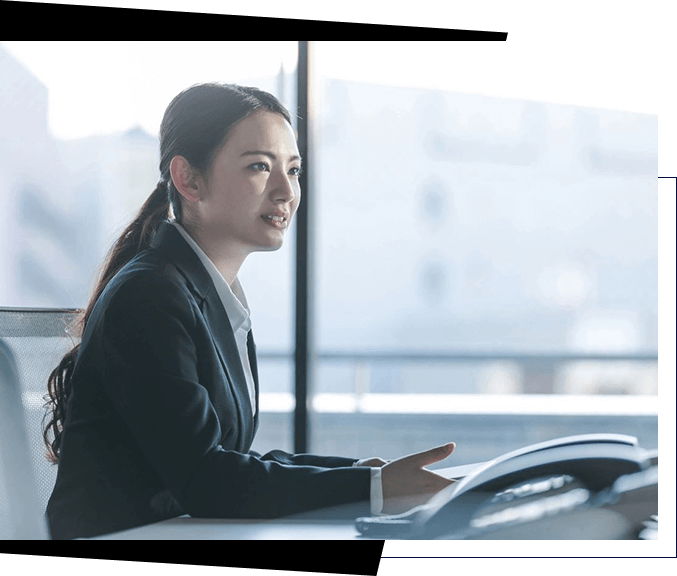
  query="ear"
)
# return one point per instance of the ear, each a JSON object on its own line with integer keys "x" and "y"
{"x": 184, "y": 178}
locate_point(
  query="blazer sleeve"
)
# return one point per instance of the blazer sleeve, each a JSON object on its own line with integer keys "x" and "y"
{"x": 305, "y": 459}
{"x": 150, "y": 360}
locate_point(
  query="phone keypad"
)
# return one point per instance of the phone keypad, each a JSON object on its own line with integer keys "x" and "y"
{"x": 531, "y": 499}
{"x": 536, "y": 487}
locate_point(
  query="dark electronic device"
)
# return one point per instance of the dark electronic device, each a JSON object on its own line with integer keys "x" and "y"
{"x": 577, "y": 487}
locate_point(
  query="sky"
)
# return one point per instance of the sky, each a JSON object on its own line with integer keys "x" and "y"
{"x": 98, "y": 87}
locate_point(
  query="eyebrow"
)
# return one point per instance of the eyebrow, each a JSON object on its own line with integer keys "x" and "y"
{"x": 268, "y": 154}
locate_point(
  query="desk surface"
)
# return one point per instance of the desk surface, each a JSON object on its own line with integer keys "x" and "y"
{"x": 187, "y": 528}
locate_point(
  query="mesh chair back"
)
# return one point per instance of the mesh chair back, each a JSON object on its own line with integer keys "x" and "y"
{"x": 37, "y": 339}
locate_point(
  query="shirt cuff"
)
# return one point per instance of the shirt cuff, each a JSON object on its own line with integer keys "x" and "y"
{"x": 375, "y": 491}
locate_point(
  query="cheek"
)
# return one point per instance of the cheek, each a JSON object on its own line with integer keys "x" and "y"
{"x": 224, "y": 195}
{"x": 297, "y": 198}
{"x": 295, "y": 206}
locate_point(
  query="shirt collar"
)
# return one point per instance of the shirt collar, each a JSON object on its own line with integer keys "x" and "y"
{"x": 232, "y": 296}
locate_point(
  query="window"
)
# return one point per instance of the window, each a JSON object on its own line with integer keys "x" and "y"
{"x": 477, "y": 253}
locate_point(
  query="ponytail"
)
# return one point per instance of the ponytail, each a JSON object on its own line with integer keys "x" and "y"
{"x": 136, "y": 237}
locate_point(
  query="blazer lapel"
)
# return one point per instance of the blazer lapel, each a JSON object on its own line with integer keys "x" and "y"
{"x": 169, "y": 241}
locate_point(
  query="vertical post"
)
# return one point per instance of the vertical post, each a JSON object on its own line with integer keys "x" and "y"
{"x": 303, "y": 353}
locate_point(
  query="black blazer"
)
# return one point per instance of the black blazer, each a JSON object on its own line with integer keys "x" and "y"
{"x": 159, "y": 420}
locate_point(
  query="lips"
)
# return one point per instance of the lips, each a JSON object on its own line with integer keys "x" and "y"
{"x": 277, "y": 220}
{"x": 275, "y": 217}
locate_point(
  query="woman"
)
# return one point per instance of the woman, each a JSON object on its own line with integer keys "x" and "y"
{"x": 154, "y": 412}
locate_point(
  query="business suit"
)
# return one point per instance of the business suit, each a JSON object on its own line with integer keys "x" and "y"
{"x": 160, "y": 422}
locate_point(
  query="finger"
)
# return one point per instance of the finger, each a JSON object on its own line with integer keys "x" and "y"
{"x": 430, "y": 456}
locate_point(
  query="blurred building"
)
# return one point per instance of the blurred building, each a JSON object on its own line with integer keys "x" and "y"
{"x": 18, "y": 91}
{"x": 493, "y": 210}
{"x": 62, "y": 198}
{"x": 462, "y": 222}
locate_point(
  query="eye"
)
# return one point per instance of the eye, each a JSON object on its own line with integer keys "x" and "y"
{"x": 259, "y": 167}
{"x": 296, "y": 171}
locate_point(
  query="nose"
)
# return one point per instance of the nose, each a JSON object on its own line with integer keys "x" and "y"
{"x": 285, "y": 188}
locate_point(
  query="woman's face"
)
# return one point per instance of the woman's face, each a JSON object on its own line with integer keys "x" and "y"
{"x": 252, "y": 189}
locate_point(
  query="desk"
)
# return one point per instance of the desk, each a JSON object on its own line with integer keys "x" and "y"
{"x": 187, "y": 528}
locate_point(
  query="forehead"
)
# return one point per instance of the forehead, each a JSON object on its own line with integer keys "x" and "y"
{"x": 262, "y": 130}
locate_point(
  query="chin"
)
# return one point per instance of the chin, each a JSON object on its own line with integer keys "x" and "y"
{"x": 270, "y": 247}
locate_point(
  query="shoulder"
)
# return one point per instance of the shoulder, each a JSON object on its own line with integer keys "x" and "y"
{"x": 148, "y": 285}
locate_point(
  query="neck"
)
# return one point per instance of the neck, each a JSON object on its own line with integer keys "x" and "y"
{"x": 227, "y": 259}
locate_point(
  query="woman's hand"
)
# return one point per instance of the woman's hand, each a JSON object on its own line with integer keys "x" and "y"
{"x": 406, "y": 483}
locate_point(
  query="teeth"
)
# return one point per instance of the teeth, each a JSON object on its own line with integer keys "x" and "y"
{"x": 276, "y": 218}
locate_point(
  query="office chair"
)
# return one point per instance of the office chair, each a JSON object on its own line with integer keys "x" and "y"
{"x": 32, "y": 343}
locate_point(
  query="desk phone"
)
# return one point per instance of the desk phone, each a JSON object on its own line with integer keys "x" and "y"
{"x": 591, "y": 486}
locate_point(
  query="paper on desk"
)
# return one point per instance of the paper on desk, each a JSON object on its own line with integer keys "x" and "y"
{"x": 458, "y": 471}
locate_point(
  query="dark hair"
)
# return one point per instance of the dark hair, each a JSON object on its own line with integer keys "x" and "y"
{"x": 195, "y": 125}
